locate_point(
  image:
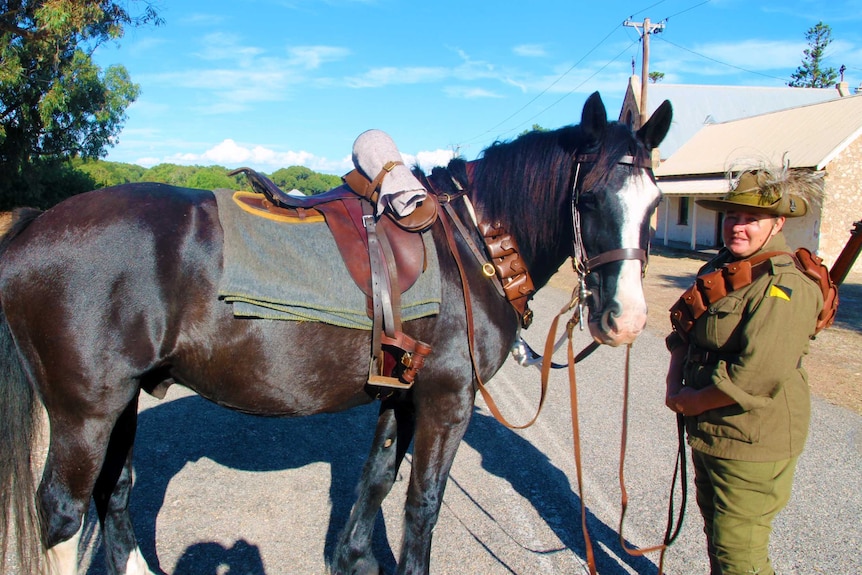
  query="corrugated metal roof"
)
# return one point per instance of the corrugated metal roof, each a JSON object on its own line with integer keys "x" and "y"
{"x": 695, "y": 106}
{"x": 810, "y": 136}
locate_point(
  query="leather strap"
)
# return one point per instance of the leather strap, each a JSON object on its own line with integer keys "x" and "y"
{"x": 468, "y": 305}
{"x": 366, "y": 188}
{"x": 673, "y": 529}
{"x": 617, "y": 255}
{"x": 679, "y": 472}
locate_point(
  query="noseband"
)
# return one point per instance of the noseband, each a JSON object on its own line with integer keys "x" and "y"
{"x": 582, "y": 262}
{"x": 583, "y": 266}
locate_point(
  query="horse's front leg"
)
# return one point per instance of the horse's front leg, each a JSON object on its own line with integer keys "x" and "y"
{"x": 441, "y": 422}
{"x": 395, "y": 426}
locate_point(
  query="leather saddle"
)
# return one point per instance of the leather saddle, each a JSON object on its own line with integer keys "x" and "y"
{"x": 344, "y": 209}
{"x": 384, "y": 256}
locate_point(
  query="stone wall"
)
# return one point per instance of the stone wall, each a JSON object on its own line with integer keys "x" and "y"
{"x": 843, "y": 203}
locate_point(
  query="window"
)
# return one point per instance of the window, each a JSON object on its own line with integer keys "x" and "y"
{"x": 682, "y": 215}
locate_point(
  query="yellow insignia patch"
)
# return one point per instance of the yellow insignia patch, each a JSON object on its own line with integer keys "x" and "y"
{"x": 780, "y": 292}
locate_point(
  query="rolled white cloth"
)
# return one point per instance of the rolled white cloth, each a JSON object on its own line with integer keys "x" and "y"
{"x": 400, "y": 191}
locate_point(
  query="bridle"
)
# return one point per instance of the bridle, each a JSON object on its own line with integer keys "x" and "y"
{"x": 583, "y": 265}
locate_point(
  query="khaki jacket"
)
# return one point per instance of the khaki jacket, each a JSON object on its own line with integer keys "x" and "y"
{"x": 755, "y": 337}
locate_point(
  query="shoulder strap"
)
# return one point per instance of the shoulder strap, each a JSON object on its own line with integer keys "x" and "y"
{"x": 710, "y": 287}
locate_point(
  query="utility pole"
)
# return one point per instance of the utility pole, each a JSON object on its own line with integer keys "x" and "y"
{"x": 645, "y": 29}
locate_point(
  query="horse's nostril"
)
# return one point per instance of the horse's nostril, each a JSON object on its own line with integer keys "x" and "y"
{"x": 609, "y": 317}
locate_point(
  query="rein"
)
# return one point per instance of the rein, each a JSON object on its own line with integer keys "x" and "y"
{"x": 583, "y": 266}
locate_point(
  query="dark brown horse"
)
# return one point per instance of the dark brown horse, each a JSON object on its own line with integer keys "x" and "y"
{"x": 115, "y": 291}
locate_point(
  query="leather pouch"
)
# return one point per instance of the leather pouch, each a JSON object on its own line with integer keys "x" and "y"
{"x": 681, "y": 318}
{"x": 711, "y": 286}
{"x": 738, "y": 274}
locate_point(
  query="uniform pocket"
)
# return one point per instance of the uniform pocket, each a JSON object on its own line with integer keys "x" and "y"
{"x": 722, "y": 319}
{"x": 730, "y": 423}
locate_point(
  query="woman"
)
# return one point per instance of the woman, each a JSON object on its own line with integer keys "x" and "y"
{"x": 736, "y": 371}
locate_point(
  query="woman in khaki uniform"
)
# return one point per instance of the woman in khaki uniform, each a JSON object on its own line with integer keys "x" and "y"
{"x": 736, "y": 375}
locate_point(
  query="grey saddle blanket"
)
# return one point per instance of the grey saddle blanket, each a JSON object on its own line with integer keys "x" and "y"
{"x": 294, "y": 271}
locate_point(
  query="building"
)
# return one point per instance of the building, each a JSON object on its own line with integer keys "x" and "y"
{"x": 717, "y": 126}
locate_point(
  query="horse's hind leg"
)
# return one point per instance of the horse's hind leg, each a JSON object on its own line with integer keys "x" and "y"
{"x": 75, "y": 459}
{"x": 73, "y": 463}
{"x": 395, "y": 427}
{"x": 111, "y": 496}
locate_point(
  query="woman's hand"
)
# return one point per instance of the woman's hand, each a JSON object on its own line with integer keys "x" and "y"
{"x": 692, "y": 402}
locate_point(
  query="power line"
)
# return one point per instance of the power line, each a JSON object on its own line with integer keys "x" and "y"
{"x": 666, "y": 18}
{"x": 648, "y": 8}
{"x": 698, "y": 54}
{"x": 575, "y": 89}
{"x": 540, "y": 94}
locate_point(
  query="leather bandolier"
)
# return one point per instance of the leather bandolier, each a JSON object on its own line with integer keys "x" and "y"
{"x": 712, "y": 286}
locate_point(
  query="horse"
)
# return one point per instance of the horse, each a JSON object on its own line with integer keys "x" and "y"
{"x": 113, "y": 291}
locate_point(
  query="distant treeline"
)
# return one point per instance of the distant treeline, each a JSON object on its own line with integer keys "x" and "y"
{"x": 51, "y": 183}
{"x": 106, "y": 174}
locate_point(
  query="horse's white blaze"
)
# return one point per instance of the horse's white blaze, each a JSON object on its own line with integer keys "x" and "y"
{"x": 638, "y": 198}
{"x": 136, "y": 565}
{"x": 62, "y": 559}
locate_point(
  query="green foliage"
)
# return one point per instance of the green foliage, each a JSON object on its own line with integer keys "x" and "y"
{"x": 304, "y": 179}
{"x": 811, "y": 73}
{"x": 656, "y": 77}
{"x": 49, "y": 181}
{"x": 535, "y": 128}
{"x": 211, "y": 178}
{"x": 55, "y": 103}
{"x": 46, "y": 182}
{"x": 106, "y": 174}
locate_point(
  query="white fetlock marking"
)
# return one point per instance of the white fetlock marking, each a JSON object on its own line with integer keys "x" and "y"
{"x": 62, "y": 559}
{"x": 136, "y": 565}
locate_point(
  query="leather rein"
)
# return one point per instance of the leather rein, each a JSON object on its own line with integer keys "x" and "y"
{"x": 583, "y": 266}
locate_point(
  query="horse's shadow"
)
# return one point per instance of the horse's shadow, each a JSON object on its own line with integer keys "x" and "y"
{"x": 507, "y": 455}
{"x": 211, "y": 432}
{"x": 188, "y": 429}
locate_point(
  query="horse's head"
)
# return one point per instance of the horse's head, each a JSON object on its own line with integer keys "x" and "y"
{"x": 615, "y": 195}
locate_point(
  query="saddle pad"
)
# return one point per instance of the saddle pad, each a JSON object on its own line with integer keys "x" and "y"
{"x": 294, "y": 271}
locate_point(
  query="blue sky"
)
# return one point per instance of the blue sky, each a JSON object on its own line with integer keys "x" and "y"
{"x": 275, "y": 83}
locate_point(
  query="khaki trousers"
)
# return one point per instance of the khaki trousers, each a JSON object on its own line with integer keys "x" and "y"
{"x": 738, "y": 501}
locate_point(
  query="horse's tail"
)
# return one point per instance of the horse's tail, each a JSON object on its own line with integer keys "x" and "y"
{"x": 19, "y": 519}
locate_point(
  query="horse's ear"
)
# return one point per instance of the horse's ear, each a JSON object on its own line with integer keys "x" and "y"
{"x": 594, "y": 118}
{"x": 653, "y": 132}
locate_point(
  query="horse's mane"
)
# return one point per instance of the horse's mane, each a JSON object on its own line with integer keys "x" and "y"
{"x": 527, "y": 183}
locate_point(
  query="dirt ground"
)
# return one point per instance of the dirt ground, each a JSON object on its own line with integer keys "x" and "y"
{"x": 835, "y": 362}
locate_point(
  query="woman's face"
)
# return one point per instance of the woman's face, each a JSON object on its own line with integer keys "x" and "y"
{"x": 745, "y": 233}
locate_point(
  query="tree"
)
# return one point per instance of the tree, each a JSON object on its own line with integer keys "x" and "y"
{"x": 656, "y": 77}
{"x": 55, "y": 103}
{"x": 811, "y": 73}
{"x": 304, "y": 179}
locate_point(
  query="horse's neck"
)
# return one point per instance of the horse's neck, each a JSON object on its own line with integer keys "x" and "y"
{"x": 541, "y": 261}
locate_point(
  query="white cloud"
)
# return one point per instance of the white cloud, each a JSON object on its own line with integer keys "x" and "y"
{"x": 530, "y": 50}
{"x": 147, "y": 162}
{"x": 753, "y": 55}
{"x": 311, "y": 57}
{"x": 469, "y": 93}
{"x": 231, "y": 154}
{"x": 387, "y": 76}
{"x": 428, "y": 159}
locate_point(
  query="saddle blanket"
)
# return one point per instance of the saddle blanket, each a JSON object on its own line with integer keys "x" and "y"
{"x": 294, "y": 271}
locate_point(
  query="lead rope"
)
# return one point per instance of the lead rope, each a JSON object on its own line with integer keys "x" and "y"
{"x": 672, "y": 531}
{"x": 679, "y": 472}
